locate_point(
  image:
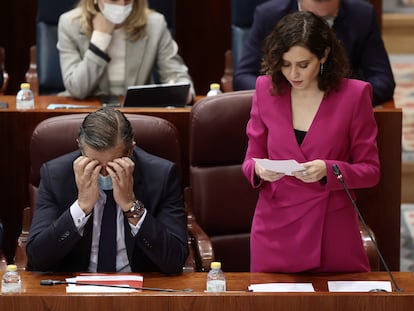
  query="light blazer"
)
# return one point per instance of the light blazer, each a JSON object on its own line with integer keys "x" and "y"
{"x": 304, "y": 226}
{"x": 84, "y": 70}
{"x": 54, "y": 243}
{"x": 356, "y": 26}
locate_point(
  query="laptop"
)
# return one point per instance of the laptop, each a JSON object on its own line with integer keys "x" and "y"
{"x": 157, "y": 95}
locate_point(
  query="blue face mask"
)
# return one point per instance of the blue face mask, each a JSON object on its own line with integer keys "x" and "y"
{"x": 105, "y": 182}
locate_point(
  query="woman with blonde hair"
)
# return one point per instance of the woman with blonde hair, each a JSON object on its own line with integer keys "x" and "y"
{"x": 107, "y": 45}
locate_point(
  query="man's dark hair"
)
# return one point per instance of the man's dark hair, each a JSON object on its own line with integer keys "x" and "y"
{"x": 104, "y": 129}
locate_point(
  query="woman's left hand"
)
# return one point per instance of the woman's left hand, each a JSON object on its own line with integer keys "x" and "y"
{"x": 314, "y": 171}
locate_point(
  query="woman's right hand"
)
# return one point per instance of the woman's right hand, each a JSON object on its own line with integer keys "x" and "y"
{"x": 100, "y": 23}
{"x": 265, "y": 174}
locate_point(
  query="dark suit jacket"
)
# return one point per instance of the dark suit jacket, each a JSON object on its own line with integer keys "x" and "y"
{"x": 356, "y": 26}
{"x": 54, "y": 243}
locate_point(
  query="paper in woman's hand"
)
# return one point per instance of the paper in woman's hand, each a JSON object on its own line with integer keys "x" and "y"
{"x": 280, "y": 166}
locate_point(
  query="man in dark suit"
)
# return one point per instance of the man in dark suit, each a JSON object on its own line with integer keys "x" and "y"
{"x": 74, "y": 195}
{"x": 355, "y": 24}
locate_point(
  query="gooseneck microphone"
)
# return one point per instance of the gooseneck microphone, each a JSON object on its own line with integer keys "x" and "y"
{"x": 54, "y": 282}
{"x": 338, "y": 174}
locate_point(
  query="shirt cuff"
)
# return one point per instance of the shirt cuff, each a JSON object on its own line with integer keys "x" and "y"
{"x": 79, "y": 217}
{"x": 101, "y": 39}
{"x": 135, "y": 228}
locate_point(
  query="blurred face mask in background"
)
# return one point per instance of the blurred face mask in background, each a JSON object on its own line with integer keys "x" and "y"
{"x": 115, "y": 13}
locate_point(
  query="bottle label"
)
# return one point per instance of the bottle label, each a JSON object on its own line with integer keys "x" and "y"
{"x": 216, "y": 286}
{"x": 10, "y": 287}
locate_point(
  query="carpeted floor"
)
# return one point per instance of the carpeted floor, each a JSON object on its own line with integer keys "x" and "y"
{"x": 407, "y": 237}
{"x": 403, "y": 69}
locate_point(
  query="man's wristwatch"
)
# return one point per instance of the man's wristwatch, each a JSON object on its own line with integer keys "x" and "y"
{"x": 136, "y": 211}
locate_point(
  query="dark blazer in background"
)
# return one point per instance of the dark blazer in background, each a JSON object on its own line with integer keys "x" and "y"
{"x": 355, "y": 25}
{"x": 54, "y": 243}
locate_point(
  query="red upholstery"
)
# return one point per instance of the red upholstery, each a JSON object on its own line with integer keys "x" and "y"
{"x": 222, "y": 200}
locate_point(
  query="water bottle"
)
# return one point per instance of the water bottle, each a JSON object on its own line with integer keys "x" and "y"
{"x": 11, "y": 282}
{"x": 216, "y": 281}
{"x": 214, "y": 89}
{"x": 25, "y": 98}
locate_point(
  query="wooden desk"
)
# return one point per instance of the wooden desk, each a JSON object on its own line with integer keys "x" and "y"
{"x": 16, "y": 127}
{"x": 36, "y": 297}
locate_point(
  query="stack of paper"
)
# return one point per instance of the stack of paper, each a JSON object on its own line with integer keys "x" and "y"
{"x": 282, "y": 287}
{"x": 105, "y": 283}
{"x": 359, "y": 286}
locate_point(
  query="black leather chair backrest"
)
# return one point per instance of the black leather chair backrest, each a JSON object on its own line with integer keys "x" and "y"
{"x": 222, "y": 200}
{"x": 242, "y": 12}
{"x": 47, "y": 56}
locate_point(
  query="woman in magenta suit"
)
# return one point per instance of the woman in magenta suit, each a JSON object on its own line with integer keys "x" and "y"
{"x": 304, "y": 108}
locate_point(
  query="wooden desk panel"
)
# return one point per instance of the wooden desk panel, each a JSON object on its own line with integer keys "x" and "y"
{"x": 16, "y": 127}
{"x": 36, "y": 297}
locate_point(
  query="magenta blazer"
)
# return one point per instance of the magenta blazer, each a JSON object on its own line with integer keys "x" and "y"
{"x": 311, "y": 227}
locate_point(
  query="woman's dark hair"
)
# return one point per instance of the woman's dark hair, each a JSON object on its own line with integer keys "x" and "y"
{"x": 309, "y": 31}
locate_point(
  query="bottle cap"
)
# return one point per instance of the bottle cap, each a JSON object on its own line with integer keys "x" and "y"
{"x": 215, "y": 265}
{"x": 25, "y": 86}
{"x": 214, "y": 86}
{"x": 11, "y": 268}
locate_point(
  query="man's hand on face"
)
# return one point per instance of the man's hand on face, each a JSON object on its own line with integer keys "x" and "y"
{"x": 121, "y": 171}
{"x": 86, "y": 176}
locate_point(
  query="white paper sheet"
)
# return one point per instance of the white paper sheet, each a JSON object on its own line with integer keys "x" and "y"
{"x": 282, "y": 287}
{"x": 122, "y": 281}
{"x": 280, "y": 166}
{"x": 358, "y": 286}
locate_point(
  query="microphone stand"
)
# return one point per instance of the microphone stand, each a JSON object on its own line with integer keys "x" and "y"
{"x": 53, "y": 282}
{"x": 338, "y": 174}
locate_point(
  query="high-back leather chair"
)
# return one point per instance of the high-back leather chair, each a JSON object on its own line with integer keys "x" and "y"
{"x": 47, "y": 56}
{"x": 219, "y": 196}
{"x": 57, "y": 136}
{"x": 44, "y": 72}
{"x": 221, "y": 199}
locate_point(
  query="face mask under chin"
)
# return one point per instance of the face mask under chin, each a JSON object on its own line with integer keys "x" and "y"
{"x": 105, "y": 182}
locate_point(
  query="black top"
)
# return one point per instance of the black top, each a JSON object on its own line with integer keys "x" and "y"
{"x": 300, "y": 136}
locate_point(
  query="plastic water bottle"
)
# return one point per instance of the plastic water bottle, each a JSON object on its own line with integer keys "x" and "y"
{"x": 11, "y": 282}
{"x": 216, "y": 281}
{"x": 25, "y": 98}
{"x": 214, "y": 89}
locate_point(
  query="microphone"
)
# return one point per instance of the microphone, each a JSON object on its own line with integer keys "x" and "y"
{"x": 338, "y": 174}
{"x": 55, "y": 282}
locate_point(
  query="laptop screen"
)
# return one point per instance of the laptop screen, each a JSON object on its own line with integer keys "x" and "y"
{"x": 157, "y": 95}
